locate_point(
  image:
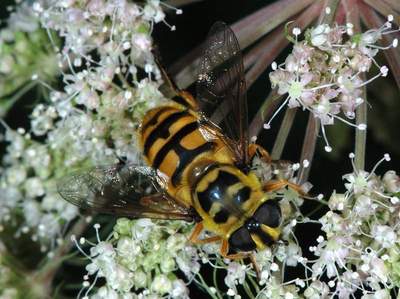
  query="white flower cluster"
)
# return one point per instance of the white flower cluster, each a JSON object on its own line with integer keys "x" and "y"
{"x": 24, "y": 49}
{"x": 360, "y": 252}
{"x": 140, "y": 260}
{"x": 27, "y": 186}
{"x": 110, "y": 81}
{"x": 324, "y": 73}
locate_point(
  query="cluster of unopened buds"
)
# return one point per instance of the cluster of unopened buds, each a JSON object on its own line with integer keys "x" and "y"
{"x": 325, "y": 73}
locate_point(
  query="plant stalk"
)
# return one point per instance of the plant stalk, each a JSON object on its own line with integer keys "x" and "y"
{"x": 361, "y": 135}
{"x": 329, "y": 18}
{"x": 308, "y": 150}
{"x": 283, "y": 133}
{"x": 8, "y": 103}
{"x": 270, "y": 104}
{"x": 46, "y": 274}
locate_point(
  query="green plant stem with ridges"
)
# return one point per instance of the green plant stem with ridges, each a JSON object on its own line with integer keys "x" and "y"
{"x": 254, "y": 284}
{"x": 247, "y": 290}
{"x": 329, "y": 18}
{"x": 49, "y": 269}
{"x": 269, "y": 105}
{"x": 307, "y": 152}
{"x": 361, "y": 112}
{"x": 361, "y": 135}
{"x": 7, "y": 104}
{"x": 204, "y": 286}
{"x": 283, "y": 133}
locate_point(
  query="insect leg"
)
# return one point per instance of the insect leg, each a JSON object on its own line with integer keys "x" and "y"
{"x": 255, "y": 266}
{"x": 279, "y": 184}
{"x": 255, "y": 149}
{"x": 194, "y": 238}
{"x": 169, "y": 88}
{"x": 240, "y": 255}
{"x": 225, "y": 249}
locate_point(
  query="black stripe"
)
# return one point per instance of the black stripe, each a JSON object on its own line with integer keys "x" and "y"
{"x": 186, "y": 157}
{"x": 174, "y": 142}
{"x": 162, "y": 130}
{"x": 241, "y": 240}
{"x": 207, "y": 169}
{"x": 265, "y": 238}
{"x": 242, "y": 195}
{"x": 269, "y": 213}
{"x": 216, "y": 191}
{"x": 155, "y": 117}
{"x": 182, "y": 101}
{"x": 222, "y": 216}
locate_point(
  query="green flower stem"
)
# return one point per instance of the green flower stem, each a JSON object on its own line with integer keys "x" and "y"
{"x": 215, "y": 281}
{"x": 329, "y": 18}
{"x": 283, "y": 133}
{"x": 269, "y": 105}
{"x": 361, "y": 111}
{"x": 361, "y": 135}
{"x": 307, "y": 152}
{"x": 262, "y": 55}
{"x": 381, "y": 6}
{"x": 394, "y": 4}
{"x": 204, "y": 286}
{"x": 247, "y": 290}
{"x": 263, "y": 21}
{"x": 46, "y": 274}
{"x": 254, "y": 284}
{"x": 6, "y": 104}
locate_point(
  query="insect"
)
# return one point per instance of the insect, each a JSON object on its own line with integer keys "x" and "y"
{"x": 199, "y": 156}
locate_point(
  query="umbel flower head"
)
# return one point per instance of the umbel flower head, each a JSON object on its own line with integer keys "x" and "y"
{"x": 91, "y": 120}
{"x": 359, "y": 252}
{"x": 324, "y": 73}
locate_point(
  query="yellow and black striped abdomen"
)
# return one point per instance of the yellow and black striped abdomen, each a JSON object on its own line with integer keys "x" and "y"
{"x": 172, "y": 141}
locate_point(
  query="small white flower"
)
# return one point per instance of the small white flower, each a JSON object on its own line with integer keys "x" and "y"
{"x": 337, "y": 201}
{"x": 179, "y": 290}
{"x": 161, "y": 284}
{"x": 391, "y": 181}
{"x": 384, "y": 235}
{"x": 319, "y": 35}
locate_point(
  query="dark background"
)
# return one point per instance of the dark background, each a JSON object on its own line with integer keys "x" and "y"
{"x": 327, "y": 168}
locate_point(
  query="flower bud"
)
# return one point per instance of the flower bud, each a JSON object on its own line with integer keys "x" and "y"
{"x": 161, "y": 284}
{"x": 391, "y": 181}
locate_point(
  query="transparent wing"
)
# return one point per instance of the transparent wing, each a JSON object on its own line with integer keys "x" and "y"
{"x": 221, "y": 88}
{"x": 123, "y": 190}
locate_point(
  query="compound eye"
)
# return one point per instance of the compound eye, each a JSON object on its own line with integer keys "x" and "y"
{"x": 269, "y": 213}
{"x": 241, "y": 240}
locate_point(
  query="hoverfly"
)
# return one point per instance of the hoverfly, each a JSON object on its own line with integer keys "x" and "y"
{"x": 198, "y": 155}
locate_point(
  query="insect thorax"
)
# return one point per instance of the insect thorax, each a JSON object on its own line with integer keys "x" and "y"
{"x": 233, "y": 205}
